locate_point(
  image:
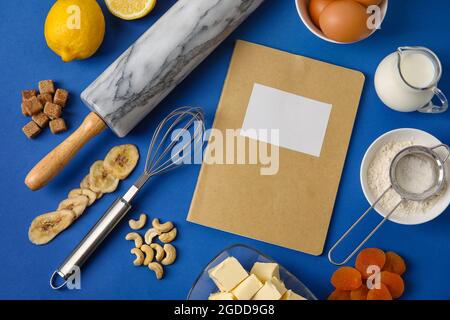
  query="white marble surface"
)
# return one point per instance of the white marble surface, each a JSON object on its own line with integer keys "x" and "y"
{"x": 161, "y": 58}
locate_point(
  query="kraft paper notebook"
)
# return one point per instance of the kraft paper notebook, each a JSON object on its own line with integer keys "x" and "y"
{"x": 313, "y": 105}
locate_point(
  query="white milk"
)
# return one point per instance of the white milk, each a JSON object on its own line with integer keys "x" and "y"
{"x": 417, "y": 69}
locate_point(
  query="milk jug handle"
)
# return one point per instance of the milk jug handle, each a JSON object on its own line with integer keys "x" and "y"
{"x": 432, "y": 108}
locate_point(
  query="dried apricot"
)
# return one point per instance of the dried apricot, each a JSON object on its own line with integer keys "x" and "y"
{"x": 394, "y": 263}
{"x": 394, "y": 283}
{"x": 360, "y": 293}
{"x": 369, "y": 257}
{"x": 346, "y": 279}
{"x": 339, "y": 295}
{"x": 379, "y": 294}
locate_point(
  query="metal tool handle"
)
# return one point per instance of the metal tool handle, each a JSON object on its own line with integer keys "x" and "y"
{"x": 92, "y": 240}
{"x": 446, "y": 147}
{"x": 330, "y": 253}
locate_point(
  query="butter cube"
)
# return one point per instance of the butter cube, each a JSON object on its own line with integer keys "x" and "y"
{"x": 279, "y": 284}
{"x": 272, "y": 290}
{"x": 221, "y": 296}
{"x": 266, "y": 271}
{"x": 247, "y": 288}
{"x": 228, "y": 274}
{"x": 291, "y": 295}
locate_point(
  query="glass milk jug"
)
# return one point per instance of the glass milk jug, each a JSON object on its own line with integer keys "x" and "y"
{"x": 407, "y": 79}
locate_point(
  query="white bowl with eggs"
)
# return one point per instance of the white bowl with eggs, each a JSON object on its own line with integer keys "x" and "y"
{"x": 419, "y": 138}
{"x": 304, "y": 13}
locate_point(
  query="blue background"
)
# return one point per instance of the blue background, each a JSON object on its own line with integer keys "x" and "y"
{"x": 25, "y": 59}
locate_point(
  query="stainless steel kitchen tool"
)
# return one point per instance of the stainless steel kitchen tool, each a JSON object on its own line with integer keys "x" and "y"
{"x": 165, "y": 153}
{"x": 132, "y": 86}
{"x": 406, "y": 195}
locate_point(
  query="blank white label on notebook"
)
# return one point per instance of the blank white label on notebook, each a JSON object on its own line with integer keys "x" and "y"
{"x": 302, "y": 122}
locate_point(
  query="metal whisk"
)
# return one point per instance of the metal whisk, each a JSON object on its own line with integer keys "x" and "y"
{"x": 158, "y": 160}
{"x": 161, "y": 157}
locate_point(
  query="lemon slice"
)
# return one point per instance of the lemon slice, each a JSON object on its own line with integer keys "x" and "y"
{"x": 130, "y": 9}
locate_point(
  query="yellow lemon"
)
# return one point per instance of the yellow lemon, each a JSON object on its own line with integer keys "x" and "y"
{"x": 130, "y": 9}
{"x": 74, "y": 29}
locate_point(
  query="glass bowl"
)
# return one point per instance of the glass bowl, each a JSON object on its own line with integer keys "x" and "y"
{"x": 247, "y": 256}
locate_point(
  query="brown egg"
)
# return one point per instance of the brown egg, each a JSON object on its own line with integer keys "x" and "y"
{"x": 369, "y": 2}
{"x": 316, "y": 8}
{"x": 345, "y": 21}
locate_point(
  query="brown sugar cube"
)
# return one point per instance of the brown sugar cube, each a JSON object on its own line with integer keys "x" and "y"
{"x": 61, "y": 97}
{"x": 28, "y": 94}
{"x": 44, "y": 98}
{"x": 41, "y": 119}
{"x": 31, "y": 129}
{"x": 26, "y": 106}
{"x": 58, "y": 125}
{"x": 33, "y": 105}
{"x": 52, "y": 110}
{"x": 46, "y": 86}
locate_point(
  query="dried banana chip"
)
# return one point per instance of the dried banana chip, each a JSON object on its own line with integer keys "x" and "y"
{"x": 85, "y": 185}
{"x": 121, "y": 160}
{"x": 47, "y": 226}
{"x": 85, "y": 182}
{"x": 77, "y": 205}
{"x": 101, "y": 180}
{"x": 92, "y": 196}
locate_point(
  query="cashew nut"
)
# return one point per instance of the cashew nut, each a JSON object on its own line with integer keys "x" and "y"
{"x": 136, "y": 238}
{"x": 171, "y": 254}
{"x": 138, "y": 224}
{"x": 149, "y": 254}
{"x": 162, "y": 227}
{"x": 157, "y": 268}
{"x": 139, "y": 256}
{"x": 159, "y": 251}
{"x": 150, "y": 234}
{"x": 168, "y": 236}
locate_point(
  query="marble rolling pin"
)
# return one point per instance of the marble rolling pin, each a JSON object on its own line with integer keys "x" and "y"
{"x": 146, "y": 73}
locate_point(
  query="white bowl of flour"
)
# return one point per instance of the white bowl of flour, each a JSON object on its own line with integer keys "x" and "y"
{"x": 374, "y": 177}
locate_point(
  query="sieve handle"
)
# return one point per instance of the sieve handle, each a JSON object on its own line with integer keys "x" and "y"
{"x": 330, "y": 253}
{"x": 446, "y": 148}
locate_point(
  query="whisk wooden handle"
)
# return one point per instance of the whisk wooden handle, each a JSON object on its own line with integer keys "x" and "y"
{"x": 58, "y": 158}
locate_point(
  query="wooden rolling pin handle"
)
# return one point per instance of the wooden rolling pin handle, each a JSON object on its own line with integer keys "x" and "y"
{"x": 58, "y": 158}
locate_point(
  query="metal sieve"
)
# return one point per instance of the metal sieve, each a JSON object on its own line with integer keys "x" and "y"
{"x": 405, "y": 195}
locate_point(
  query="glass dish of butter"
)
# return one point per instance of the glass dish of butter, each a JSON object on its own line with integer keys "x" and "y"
{"x": 240, "y": 272}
